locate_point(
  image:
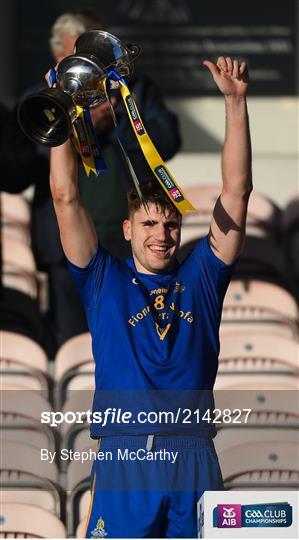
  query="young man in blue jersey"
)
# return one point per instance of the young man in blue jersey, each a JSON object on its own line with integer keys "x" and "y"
{"x": 154, "y": 326}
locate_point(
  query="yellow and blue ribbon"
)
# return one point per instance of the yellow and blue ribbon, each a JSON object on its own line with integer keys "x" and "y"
{"x": 152, "y": 156}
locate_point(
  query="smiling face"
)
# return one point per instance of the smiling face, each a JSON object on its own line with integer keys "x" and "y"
{"x": 154, "y": 237}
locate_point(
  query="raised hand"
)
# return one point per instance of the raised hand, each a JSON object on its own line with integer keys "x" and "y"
{"x": 231, "y": 76}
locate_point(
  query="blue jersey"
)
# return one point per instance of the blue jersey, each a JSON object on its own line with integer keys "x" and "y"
{"x": 154, "y": 331}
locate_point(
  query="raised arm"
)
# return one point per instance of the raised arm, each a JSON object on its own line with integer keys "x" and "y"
{"x": 77, "y": 232}
{"x": 227, "y": 229}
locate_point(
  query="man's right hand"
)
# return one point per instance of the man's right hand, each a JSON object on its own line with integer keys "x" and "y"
{"x": 49, "y": 76}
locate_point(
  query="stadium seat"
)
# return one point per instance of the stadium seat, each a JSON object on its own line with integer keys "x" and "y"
{"x": 39, "y": 498}
{"x": 18, "y": 267}
{"x": 268, "y": 409}
{"x": 80, "y": 531}
{"x": 24, "y": 350}
{"x": 82, "y": 440}
{"x": 24, "y": 520}
{"x": 79, "y": 401}
{"x": 257, "y": 381}
{"x": 15, "y": 217}
{"x": 249, "y": 328}
{"x": 23, "y": 363}
{"x": 231, "y": 437}
{"x": 78, "y": 440}
{"x": 261, "y": 352}
{"x": 73, "y": 359}
{"x": 17, "y": 376}
{"x": 27, "y": 459}
{"x": 16, "y": 232}
{"x": 15, "y": 209}
{"x": 78, "y": 483}
{"x": 23, "y": 469}
{"x": 78, "y": 474}
{"x": 84, "y": 378}
{"x": 21, "y": 419}
{"x": 31, "y": 434}
{"x": 79, "y": 515}
{"x": 257, "y": 302}
{"x": 262, "y": 464}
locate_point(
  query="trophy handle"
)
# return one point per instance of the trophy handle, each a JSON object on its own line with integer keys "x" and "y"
{"x": 134, "y": 50}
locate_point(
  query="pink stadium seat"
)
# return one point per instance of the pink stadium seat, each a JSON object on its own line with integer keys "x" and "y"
{"x": 83, "y": 440}
{"x": 26, "y": 521}
{"x": 268, "y": 409}
{"x": 78, "y": 507}
{"x": 18, "y": 262}
{"x": 257, "y": 381}
{"x": 265, "y": 463}
{"x": 28, "y": 406}
{"x": 15, "y": 217}
{"x": 74, "y": 361}
{"x": 21, "y": 419}
{"x": 16, "y": 232}
{"x": 249, "y": 328}
{"x": 30, "y": 434}
{"x": 25, "y": 458}
{"x": 39, "y": 498}
{"x": 77, "y": 401}
{"x": 77, "y": 474}
{"x": 23, "y": 350}
{"x": 15, "y": 209}
{"x": 17, "y": 376}
{"x": 78, "y": 483}
{"x": 259, "y": 301}
{"x": 80, "y": 531}
{"x": 22, "y": 469}
{"x": 260, "y": 352}
{"x": 23, "y": 363}
{"x": 75, "y": 352}
{"x": 231, "y": 437}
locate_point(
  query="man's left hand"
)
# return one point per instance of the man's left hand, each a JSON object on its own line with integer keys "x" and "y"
{"x": 231, "y": 76}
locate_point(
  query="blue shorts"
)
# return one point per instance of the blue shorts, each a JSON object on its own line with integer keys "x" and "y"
{"x": 149, "y": 489}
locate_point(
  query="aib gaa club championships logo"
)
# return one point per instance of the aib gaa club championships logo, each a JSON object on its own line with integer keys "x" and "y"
{"x": 236, "y": 516}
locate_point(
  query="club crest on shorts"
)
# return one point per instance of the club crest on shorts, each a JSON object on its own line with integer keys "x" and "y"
{"x": 99, "y": 530}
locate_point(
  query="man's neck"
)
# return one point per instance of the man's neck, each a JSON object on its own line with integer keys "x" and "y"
{"x": 142, "y": 270}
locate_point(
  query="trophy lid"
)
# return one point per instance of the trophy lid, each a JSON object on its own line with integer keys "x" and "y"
{"x": 106, "y": 48}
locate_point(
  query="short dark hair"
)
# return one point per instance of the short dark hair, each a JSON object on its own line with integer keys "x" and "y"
{"x": 152, "y": 192}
